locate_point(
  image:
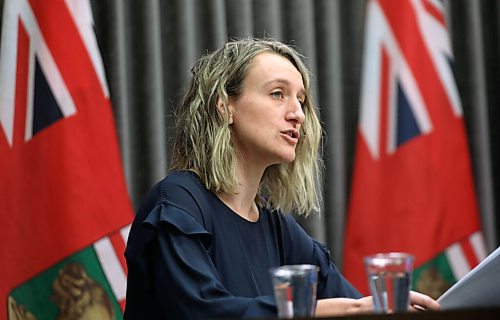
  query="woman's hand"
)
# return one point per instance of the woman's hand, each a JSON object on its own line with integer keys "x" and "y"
{"x": 419, "y": 301}
{"x": 346, "y": 306}
{"x": 343, "y": 306}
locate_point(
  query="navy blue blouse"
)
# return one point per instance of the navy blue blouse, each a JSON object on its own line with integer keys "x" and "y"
{"x": 189, "y": 256}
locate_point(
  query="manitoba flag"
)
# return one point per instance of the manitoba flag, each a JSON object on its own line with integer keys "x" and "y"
{"x": 63, "y": 201}
{"x": 412, "y": 188}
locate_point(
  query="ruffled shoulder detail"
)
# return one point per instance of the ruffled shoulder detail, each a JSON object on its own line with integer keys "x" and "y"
{"x": 172, "y": 216}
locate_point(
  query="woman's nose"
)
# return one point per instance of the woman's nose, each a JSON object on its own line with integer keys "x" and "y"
{"x": 296, "y": 111}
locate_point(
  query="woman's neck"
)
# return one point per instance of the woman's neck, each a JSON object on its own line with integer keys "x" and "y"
{"x": 242, "y": 202}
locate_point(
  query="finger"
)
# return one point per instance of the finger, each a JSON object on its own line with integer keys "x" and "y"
{"x": 416, "y": 308}
{"x": 422, "y": 301}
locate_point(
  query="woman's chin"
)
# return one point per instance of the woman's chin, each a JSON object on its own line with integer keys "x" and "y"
{"x": 288, "y": 158}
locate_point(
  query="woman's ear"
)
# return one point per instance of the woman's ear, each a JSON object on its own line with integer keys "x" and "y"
{"x": 222, "y": 108}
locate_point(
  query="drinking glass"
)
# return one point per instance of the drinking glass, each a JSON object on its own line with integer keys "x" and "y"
{"x": 295, "y": 290}
{"x": 389, "y": 279}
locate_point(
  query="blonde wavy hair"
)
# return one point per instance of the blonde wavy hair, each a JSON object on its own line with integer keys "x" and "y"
{"x": 203, "y": 142}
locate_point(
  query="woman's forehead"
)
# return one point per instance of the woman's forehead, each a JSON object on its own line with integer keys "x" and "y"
{"x": 269, "y": 67}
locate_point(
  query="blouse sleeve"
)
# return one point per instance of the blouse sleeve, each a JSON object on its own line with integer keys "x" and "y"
{"x": 302, "y": 248}
{"x": 331, "y": 282}
{"x": 183, "y": 279}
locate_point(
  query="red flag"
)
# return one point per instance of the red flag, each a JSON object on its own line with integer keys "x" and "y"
{"x": 63, "y": 200}
{"x": 412, "y": 187}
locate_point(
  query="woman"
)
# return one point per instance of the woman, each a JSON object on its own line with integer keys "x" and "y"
{"x": 245, "y": 152}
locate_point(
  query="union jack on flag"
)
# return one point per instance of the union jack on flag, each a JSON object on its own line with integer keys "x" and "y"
{"x": 412, "y": 188}
{"x": 64, "y": 205}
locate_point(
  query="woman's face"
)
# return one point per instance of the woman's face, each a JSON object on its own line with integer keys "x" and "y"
{"x": 267, "y": 115}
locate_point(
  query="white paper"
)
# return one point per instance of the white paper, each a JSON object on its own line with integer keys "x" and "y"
{"x": 478, "y": 288}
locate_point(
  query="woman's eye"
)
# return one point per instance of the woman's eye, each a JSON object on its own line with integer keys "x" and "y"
{"x": 277, "y": 94}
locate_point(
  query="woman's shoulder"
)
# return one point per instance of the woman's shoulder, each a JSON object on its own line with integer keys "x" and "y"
{"x": 168, "y": 188}
{"x": 178, "y": 187}
{"x": 182, "y": 177}
{"x": 171, "y": 204}
{"x": 180, "y": 193}
{"x": 287, "y": 220}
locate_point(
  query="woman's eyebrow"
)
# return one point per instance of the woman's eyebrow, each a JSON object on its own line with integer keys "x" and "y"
{"x": 284, "y": 82}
